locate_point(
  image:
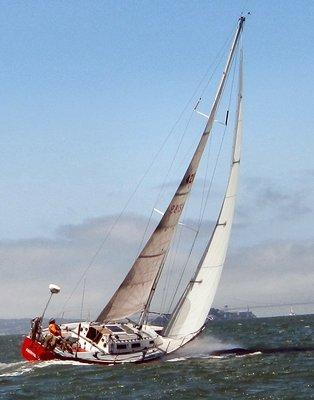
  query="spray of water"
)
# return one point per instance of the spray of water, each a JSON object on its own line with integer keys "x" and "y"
{"x": 201, "y": 347}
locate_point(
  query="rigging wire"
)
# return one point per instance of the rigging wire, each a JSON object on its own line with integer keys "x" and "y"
{"x": 208, "y": 193}
{"x": 225, "y": 129}
{"x": 216, "y": 61}
{"x": 83, "y": 298}
{"x": 174, "y": 256}
{"x": 202, "y": 208}
{"x": 214, "y": 65}
{"x": 205, "y": 180}
{"x": 171, "y": 269}
{"x": 164, "y": 182}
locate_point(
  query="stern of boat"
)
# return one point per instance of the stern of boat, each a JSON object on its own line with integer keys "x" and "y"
{"x": 32, "y": 350}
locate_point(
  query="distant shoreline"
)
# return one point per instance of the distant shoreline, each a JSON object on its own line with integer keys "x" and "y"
{"x": 21, "y": 326}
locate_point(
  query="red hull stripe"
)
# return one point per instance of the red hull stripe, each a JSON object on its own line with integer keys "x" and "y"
{"x": 34, "y": 351}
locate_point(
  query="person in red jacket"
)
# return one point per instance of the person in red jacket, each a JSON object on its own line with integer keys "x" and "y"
{"x": 54, "y": 328}
{"x": 53, "y": 336}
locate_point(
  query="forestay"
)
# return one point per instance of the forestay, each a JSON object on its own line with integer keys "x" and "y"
{"x": 192, "y": 310}
{"x": 133, "y": 294}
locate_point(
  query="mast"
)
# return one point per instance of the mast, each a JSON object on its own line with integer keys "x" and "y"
{"x": 136, "y": 291}
{"x": 192, "y": 309}
{"x": 207, "y": 130}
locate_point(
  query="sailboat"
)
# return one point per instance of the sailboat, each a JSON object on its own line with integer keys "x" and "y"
{"x": 291, "y": 313}
{"x": 114, "y": 338}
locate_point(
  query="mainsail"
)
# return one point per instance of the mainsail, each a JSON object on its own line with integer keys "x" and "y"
{"x": 193, "y": 307}
{"x": 135, "y": 292}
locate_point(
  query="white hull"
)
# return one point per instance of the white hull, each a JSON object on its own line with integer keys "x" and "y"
{"x": 103, "y": 344}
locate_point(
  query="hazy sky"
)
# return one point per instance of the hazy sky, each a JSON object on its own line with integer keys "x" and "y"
{"x": 90, "y": 90}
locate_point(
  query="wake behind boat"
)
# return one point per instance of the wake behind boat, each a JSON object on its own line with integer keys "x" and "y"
{"x": 115, "y": 338}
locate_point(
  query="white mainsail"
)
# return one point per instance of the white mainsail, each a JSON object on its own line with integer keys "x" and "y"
{"x": 135, "y": 292}
{"x": 192, "y": 309}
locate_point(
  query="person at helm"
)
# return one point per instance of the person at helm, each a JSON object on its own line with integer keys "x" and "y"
{"x": 54, "y": 328}
{"x": 53, "y": 336}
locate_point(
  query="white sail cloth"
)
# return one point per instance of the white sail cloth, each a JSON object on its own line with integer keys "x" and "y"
{"x": 133, "y": 294}
{"x": 192, "y": 310}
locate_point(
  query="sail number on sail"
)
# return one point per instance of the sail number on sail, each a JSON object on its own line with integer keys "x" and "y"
{"x": 176, "y": 208}
{"x": 190, "y": 178}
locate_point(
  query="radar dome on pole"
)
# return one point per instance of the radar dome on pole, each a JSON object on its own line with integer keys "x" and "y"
{"x": 54, "y": 289}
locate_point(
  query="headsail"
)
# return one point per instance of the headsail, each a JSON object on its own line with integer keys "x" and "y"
{"x": 192, "y": 309}
{"x": 134, "y": 293}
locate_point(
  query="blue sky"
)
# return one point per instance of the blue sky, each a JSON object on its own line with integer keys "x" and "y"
{"x": 89, "y": 91}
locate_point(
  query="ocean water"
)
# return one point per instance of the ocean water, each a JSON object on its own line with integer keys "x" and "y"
{"x": 278, "y": 365}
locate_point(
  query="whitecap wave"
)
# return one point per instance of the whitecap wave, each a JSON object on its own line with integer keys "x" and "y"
{"x": 255, "y": 353}
{"x": 14, "y": 369}
{"x": 24, "y": 367}
{"x": 176, "y": 359}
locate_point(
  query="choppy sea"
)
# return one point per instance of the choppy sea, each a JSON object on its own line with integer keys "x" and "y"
{"x": 279, "y": 364}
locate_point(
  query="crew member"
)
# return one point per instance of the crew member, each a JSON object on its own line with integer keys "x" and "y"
{"x": 54, "y": 336}
{"x": 35, "y": 328}
{"x": 54, "y": 328}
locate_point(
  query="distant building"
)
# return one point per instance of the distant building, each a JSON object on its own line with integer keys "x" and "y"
{"x": 218, "y": 314}
{"x": 214, "y": 314}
